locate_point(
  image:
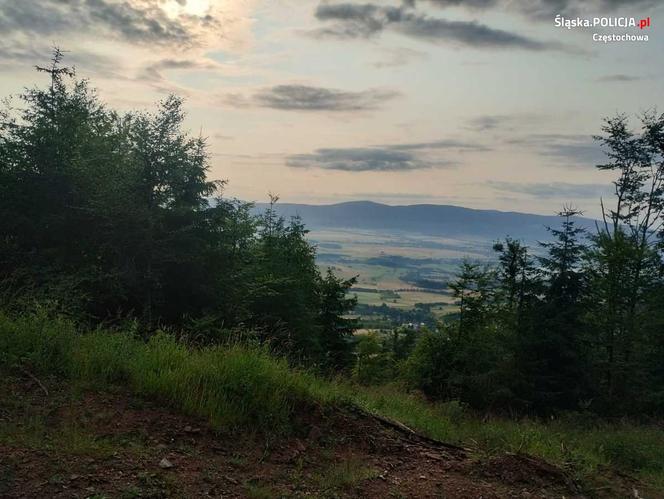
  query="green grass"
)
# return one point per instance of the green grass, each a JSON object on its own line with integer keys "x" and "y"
{"x": 343, "y": 475}
{"x": 243, "y": 387}
{"x": 231, "y": 386}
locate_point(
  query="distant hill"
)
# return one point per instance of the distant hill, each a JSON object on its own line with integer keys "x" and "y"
{"x": 426, "y": 219}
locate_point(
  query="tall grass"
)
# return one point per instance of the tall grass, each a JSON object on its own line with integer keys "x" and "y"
{"x": 240, "y": 386}
{"x": 231, "y": 386}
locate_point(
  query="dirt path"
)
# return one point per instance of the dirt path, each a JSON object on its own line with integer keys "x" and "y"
{"x": 91, "y": 445}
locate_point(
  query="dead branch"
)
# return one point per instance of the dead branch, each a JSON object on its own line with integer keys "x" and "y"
{"x": 458, "y": 451}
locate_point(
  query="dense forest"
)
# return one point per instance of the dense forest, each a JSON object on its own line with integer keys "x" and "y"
{"x": 110, "y": 217}
{"x": 111, "y": 220}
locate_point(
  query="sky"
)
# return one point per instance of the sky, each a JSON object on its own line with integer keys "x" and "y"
{"x": 476, "y": 103}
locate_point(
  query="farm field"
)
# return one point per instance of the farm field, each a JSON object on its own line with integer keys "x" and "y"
{"x": 398, "y": 270}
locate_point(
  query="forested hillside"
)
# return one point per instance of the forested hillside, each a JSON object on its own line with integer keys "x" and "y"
{"x": 122, "y": 263}
{"x": 427, "y": 219}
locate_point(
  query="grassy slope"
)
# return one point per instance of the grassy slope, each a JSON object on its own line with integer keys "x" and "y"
{"x": 247, "y": 388}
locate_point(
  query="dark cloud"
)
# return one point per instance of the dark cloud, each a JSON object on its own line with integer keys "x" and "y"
{"x": 350, "y": 20}
{"x": 618, "y": 78}
{"x": 567, "y": 150}
{"x": 137, "y": 22}
{"x": 308, "y": 98}
{"x": 12, "y": 52}
{"x": 577, "y": 153}
{"x": 356, "y": 20}
{"x": 387, "y": 157}
{"x": 153, "y": 72}
{"x": 148, "y": 24}
{"x": 43, "y": 17}
{"x": 363, "y": 160}
{"x": 553, "y": 190}
{"x": 470, "y": 33}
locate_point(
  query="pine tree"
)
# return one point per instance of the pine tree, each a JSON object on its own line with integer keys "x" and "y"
{"x": 557, "y": 347}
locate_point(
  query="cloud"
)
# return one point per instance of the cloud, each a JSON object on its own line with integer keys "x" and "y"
{"x": 487, "y": 122}
{"x": 395, "y": 57}
{"x": 501, "y": 122}
{"x": 363, "y": 160}
{"x": 356, "y": 20}
{"x": 386, "y": 157}
{"x": 552, "y": 190}
{"x": 154, "y": 71}
{"x": 311, "y": 98}
{"x": 542, "y": 9}
{"x": 470, "y": 33}
{"x": 24, "y": 55}
{"x": 10, "y": 51}
{"x": 439, "y": 144}
{"x": 351, "y": 21}
{"x": 618, "y": 78}
{"x": 136, "y": 21}
{"x": 547, "y": 9}
{"x": 474, "y": 4}
{"x": 572, "y": 150}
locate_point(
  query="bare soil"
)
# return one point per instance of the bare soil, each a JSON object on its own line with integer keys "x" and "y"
{"x": 78, "y": 443}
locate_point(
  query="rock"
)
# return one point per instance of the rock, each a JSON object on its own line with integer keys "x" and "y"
{"x": 165, "y": 464}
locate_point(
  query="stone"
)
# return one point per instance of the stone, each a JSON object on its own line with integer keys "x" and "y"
{"x": 165, "y": 464}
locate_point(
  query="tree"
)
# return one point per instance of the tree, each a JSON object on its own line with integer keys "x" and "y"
{"x": 473, "y": 290}
{"x": 517, "y": 284}
{"x": 336, "y": 328}
{"x": 624, "y": 263}
{"x": 59, "y": 155}
{"x": 554, "y": 354}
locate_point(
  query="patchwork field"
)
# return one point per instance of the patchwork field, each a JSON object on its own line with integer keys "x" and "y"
{"x": 401, "y": 271}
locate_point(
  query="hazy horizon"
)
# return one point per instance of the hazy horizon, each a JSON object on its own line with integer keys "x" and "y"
{"x": 405, "y": 205}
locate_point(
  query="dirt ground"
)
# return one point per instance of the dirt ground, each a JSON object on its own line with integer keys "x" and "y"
{"x": 57, "y": 442}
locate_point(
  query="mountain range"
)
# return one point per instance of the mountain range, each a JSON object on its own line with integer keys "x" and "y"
{"x": 425, "y": 219}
